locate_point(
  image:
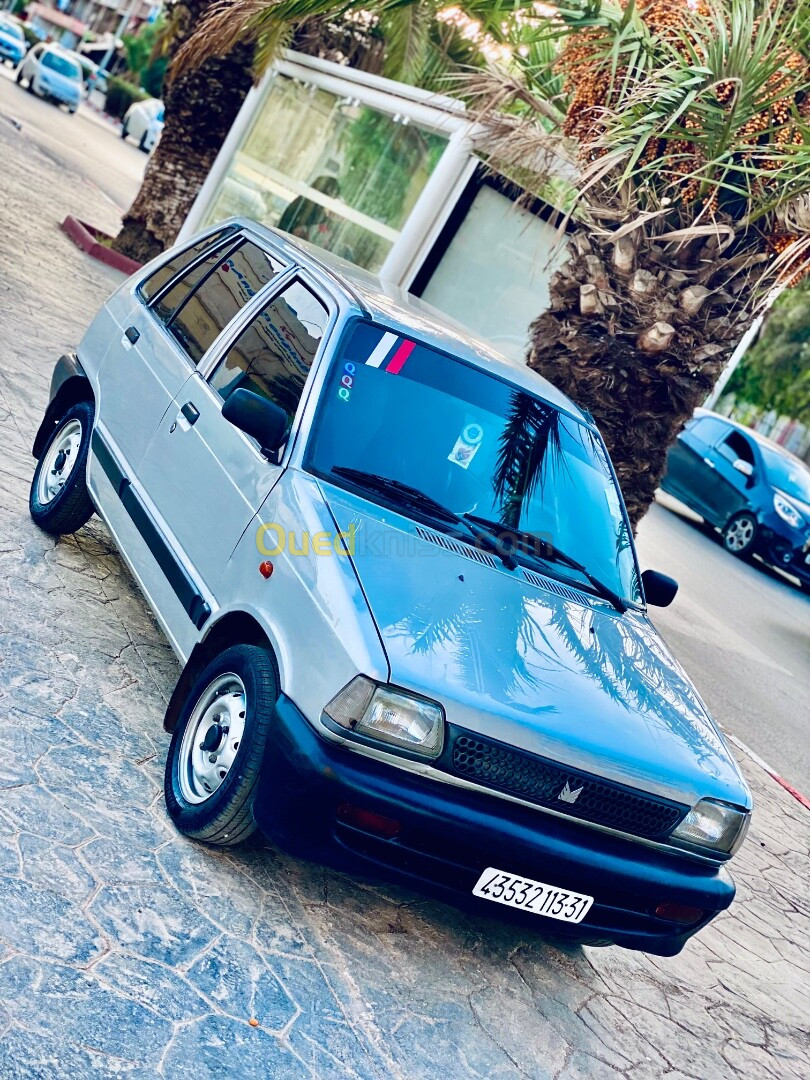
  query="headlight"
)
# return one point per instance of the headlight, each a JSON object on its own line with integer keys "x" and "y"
{"x": 787, "y": 512}
{"x": 714, "y": 825}
{"x": 389, "y": 716}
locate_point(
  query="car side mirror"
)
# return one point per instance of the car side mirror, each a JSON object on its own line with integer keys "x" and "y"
{"x": 258, "y": 417}
{"x": 659, "y": 589}
{"x": 744, "y": 467}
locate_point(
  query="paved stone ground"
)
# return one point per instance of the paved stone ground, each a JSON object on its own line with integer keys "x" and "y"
{"x": 127, "y": 951}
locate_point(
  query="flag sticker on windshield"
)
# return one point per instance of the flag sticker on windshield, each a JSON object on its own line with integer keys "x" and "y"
{"x": 388, "y": 355}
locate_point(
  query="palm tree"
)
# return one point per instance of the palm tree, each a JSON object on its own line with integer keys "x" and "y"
{"x": 677, "y": 133}
{"x": 216, "y": 49}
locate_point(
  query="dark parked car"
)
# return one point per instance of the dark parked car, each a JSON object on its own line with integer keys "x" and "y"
{"x": 754, "y": 491}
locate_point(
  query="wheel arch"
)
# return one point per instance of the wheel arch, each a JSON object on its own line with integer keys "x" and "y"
{"x": 69, "y": 385}
{"x": 233, "y": 628}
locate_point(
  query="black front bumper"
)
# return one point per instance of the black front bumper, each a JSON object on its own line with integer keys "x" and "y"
{"x": 448, "y": 836}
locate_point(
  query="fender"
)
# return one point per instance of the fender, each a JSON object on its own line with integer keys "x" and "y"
{"x": 69, "y": 384}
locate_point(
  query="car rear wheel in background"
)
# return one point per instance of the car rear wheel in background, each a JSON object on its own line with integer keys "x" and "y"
{"x": 218, "y": 745}
{"x": 740, "y": 533}
{"x": 59, "y": 502}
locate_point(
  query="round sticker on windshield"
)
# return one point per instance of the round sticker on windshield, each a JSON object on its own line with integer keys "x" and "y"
{"x": 467, "y": 445}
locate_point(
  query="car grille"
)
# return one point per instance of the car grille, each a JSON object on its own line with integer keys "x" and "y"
{"x": 544, "y": 782}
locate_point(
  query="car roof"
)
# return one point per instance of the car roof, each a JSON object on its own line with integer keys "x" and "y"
{"x": 391, "y": 304}
{"x": 757, "y": 436}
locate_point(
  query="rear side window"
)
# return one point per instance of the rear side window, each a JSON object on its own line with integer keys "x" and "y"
{"x": 217, "y": 295}
{"x": 709, "y": 429}
{"x": 177, "y": 263}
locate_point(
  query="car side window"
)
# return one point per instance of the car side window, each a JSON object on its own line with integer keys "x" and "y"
{"x": 178, "y": 263}
{"x": 709, "y": 429}
{"x": 735, "y": 446}
{"x": 274, "y": 353}
{"x": 216, "y": 295}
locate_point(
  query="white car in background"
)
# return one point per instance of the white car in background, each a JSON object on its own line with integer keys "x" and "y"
{"x": 143, "y": 121}
{"x": 52, "y": 73}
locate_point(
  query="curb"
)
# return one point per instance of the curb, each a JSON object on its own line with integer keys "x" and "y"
{"x": 774, "y": 775}
{"x": 87, "y": 238}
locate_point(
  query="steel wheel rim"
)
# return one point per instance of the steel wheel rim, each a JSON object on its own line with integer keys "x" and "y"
{"x": 59, "y": 462}
{"x": 212, "y": 738}
{"x": 739, "y": 534}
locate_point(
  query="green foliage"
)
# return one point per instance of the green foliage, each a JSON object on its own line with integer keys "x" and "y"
{"x": 146, "y": 56}
{"x": 120, "y": 95}
{"x": 31, "y": 36}
{"x": 775, "y": 372}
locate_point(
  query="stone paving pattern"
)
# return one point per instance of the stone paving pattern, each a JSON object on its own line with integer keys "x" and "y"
{"x": 129, "y": 951}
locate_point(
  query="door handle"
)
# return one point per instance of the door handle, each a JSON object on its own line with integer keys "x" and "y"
{"x": 132, "y": 333}
{"x": 191, "y": 413}
{"x": 709, "y": 462}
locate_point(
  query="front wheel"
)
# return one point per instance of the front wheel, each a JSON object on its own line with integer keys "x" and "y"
{"x": 59, "y": 502}
{"x": 739, "y": 534}
{"x": 218, "y": 744}
{"x": 19, "y": 76}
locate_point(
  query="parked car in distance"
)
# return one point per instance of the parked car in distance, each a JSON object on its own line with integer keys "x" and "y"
{"x": 54, "y": 74}
{"x": 12, "y": 40}
{"x": 750, "y": 488}
{"x": 94, "y": 77}
{"x": 399, "y": 576}
{"x": 143, "y": 121}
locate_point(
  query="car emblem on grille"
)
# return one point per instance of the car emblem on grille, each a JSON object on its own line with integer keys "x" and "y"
{"x": 568, "y": 794}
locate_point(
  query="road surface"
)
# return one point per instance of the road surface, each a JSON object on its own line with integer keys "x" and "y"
{"x": 742, "y": 633}
{"x": 86, "y": 143}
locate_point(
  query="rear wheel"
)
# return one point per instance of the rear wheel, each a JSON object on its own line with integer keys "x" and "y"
{"x": 218, "y": 744}
{"x": 59, "y": 502}
{"x": 19, "y": 76}
{"x": 739, "y": 534}
{"x": 124, "y": 132}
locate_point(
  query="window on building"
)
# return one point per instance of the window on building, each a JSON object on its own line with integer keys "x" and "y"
{"x": 328, "y": 169}
{"x": 178, "y": 263}
{"x": 273, "y": 355}
{"x": 212, "y": 293}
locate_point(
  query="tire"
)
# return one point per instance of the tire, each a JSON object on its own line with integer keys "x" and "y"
{"x": 215, "y": 805}
{"x": 123, "y": 131}
{"x": 142, "y": 144}
{"x": 59, "y": 502}
{"x": 19, "y": 76}
{"x": 739, "y": 534}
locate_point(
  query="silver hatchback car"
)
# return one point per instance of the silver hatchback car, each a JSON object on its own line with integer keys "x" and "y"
{"x": 398, "y": 573}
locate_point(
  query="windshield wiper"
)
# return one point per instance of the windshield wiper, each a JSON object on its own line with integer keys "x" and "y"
{"x": 405, "y": 495}
{"x": 526, "y": 543}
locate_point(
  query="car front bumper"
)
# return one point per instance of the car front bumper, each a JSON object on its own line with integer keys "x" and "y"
{"x": 783, "y": 547}
{"x": 449, "y": 835}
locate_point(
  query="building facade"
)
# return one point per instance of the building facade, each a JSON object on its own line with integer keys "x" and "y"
{"x": 387, "y": 176}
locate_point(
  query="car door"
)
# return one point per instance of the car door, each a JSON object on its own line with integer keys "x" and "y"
{"x": 148, "y": 363}
{"x": 207, "y": 479}
{"x": 732, "y": 454}
{"x": 691, "y": 473}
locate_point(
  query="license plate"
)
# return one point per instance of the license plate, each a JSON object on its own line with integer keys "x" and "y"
{"x": 533, "y": 896}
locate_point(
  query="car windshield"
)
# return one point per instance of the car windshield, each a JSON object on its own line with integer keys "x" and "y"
{"x": 475, "y": 443}
{"x": 787, "y": 473}
{"x": 62, "y": 65}
{"x": 11, "y": 30}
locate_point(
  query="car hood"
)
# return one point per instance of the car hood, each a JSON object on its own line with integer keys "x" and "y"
{"x": 533, "y": 663}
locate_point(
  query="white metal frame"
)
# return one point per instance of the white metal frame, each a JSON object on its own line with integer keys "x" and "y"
{"x": 432, "y": 111}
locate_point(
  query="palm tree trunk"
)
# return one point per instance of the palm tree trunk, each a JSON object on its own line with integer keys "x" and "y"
{"x": 201, "y": 106}
{"x": 639, "y": 343}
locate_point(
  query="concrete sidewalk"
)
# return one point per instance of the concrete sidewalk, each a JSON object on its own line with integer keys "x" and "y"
{"x": 128, "y": 951}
